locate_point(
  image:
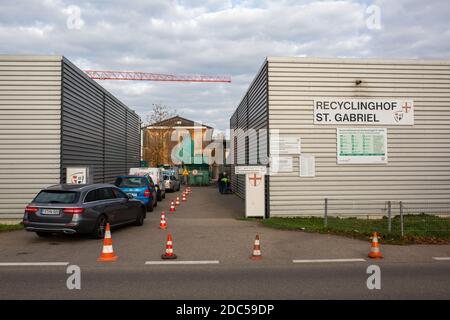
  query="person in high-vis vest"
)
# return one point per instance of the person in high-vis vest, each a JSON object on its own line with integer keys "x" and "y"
{"x": 224, "y": 183}
{"x": 185, "y": 176}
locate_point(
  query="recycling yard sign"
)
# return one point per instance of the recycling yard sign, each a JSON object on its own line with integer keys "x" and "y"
{"x": 385, "y": 111}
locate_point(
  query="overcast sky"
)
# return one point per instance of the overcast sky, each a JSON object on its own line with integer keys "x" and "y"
{"x": 216, "y": 38}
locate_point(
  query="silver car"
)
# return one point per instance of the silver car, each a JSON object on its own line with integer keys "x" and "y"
{"x": 171, "y": 182}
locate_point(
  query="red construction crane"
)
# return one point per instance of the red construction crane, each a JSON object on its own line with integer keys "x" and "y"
{"x": 130, "y": 75}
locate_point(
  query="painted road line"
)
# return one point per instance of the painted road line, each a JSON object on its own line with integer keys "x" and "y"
{"x": 328, "y": 260}
{"x": 441, "y": 258}
{"x": 33, "y": 264}
{"x": 182, "y": 262}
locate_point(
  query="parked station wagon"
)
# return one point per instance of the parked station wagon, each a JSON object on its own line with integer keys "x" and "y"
{"x": 81, "y": 209}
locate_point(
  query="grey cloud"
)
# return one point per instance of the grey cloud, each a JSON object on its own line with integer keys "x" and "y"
{"x": 216, "y": 37}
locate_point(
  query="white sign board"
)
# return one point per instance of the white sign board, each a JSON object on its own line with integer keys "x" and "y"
{"x": 284, "y": 144}
{"x": 361, "y": 146}
{"x": 307, "y": 165}
{"x": 250, "y": 169}
{"x": 77, "y": 175}
{"x": 281, "y": 164}
{"x": 254, "y": 195}
{"x": 384, "y": 111}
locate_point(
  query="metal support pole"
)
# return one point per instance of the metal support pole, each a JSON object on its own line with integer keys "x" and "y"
{"x": 325, "y": 217}
{"x": 401, "y": 218}
{"x": 389, "y": 217}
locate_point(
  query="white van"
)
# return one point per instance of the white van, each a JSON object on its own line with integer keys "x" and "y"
{"x": 157, "y": 176}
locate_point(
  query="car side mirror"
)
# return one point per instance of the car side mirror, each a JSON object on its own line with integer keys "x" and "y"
{"x": 129, "y": 196}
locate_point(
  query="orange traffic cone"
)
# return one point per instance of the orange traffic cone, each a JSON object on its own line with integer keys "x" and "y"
{"x": 177, "y": 201}
{"x": 172, "y": 207}
{"x": 183, "y": 197}
{"x": 107, "y": 254}
{"x": 256, "y": 250}
{"x": 169, "y": 249}
{"x": 375, "y": 252}
{"x": 163, "y": 222}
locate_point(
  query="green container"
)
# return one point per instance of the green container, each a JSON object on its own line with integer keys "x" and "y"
{"x": 200, "y": 179}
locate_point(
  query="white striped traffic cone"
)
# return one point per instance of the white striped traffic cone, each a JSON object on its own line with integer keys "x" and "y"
{"x": 169, "y": 249}
{"x": 163, "y": 222}
{"x": 107, "y": 254}
{"x": 256, "y": 250}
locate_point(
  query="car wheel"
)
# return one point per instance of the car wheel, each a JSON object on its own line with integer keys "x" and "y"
{"x": 140, "y": 219}
{"x": 44, "y": 234}
{"x": 159, "y": 196}
{"x": 164, "y": 195}
{"x": 150, "y": 207}
{"x": 100, "y": 227}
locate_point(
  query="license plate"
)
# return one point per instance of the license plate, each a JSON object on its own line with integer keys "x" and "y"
{"x": 133, "y": 194}
{"x": 50, "y": 212}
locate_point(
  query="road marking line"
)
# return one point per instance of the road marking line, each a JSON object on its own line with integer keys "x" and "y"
{"x": 32, "y": 264}
{"x": 183, "y": 262}
{"x": 328, "y": 260}
{"x": 441, "y": 258}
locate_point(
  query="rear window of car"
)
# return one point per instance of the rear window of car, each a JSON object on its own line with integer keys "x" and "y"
{"x": 131, "y": 182}
{"x": 47, "y": 196}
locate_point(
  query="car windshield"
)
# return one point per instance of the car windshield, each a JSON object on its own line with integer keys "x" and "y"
{"x": 131, "y": 182}
{"x": 47, "y": 196}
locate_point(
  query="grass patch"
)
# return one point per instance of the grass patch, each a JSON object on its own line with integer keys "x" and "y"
{"x": 10, "y": 227}
{"x": 419, "y": 229}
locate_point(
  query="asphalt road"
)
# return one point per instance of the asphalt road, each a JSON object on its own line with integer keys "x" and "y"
{"x": 326, "y": 281}
{"x": 206, "y": 228}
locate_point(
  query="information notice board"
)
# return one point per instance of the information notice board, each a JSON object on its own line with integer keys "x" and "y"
{"x": 362, "y": 145}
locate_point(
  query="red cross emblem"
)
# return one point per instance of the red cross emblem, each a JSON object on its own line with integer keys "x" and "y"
{"x": 406, "y": 107}
{"x": 254, "y": 179}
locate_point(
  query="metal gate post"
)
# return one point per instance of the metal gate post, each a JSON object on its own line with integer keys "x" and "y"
{"x": 389, "y": 217}
{"x": 401, "y": 218}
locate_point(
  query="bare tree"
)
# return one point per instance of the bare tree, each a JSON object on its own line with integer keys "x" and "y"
{"x": 156, "y": 139}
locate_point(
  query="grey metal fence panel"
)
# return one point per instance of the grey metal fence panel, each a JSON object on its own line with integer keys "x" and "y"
{"x": 82, "y": 110}
{"x": 115, "y": 140}
{"x": 30, "y": 117}
{"x": 233, "y": 126}
{"x": 252, "y": 114}
{"x": 133, "y": 139}
{"x": 98, "y": 129}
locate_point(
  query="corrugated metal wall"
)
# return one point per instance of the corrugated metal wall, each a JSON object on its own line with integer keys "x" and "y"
{"x": 233, "y": 149}
{"x": 419, "y": 155}
{"x": 250, "y": 114}
{"x": 30, "y": 115}
{"x": 82, "y": 109}
{"x": 98, "y": 130}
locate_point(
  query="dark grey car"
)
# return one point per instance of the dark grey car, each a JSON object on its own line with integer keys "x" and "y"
{"x": 81, "y": 209}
